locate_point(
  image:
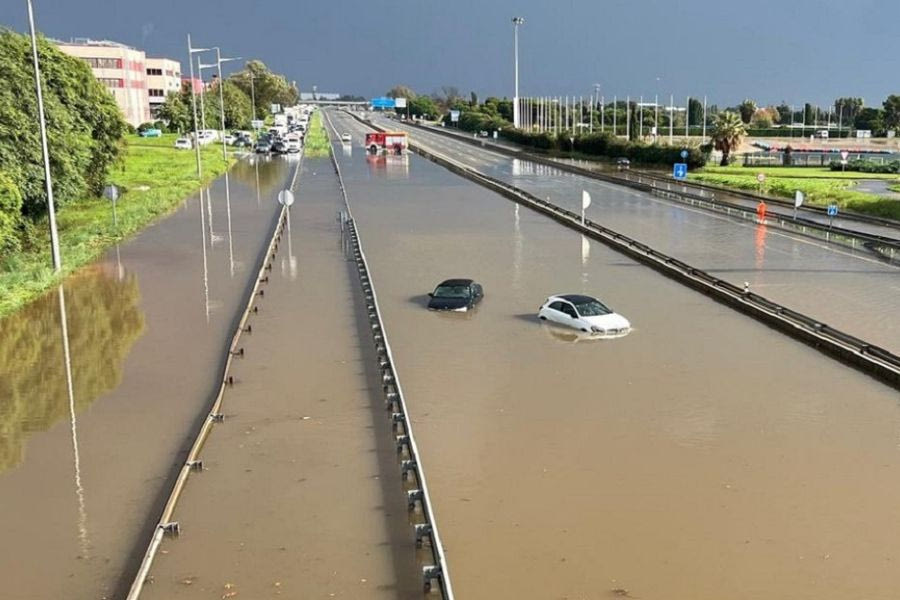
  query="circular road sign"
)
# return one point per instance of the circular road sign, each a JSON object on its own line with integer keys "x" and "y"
{"x": 684, "y": 154}
{"x": 286, "y": 197}
{"x": 760, "y": 177}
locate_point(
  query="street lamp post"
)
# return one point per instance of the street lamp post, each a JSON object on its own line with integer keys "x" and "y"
{"x": 191, "y": 52}
{"x": 516, "y": 22}
{"x": 51, "y": 208}
{"x": 219, "y": 61}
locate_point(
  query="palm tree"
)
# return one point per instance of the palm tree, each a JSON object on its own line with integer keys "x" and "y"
{"x": 728, "y": 132}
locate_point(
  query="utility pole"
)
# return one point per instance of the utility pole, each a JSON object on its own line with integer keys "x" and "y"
{"x": 704, "y": 119}
{"x": 48, "y": 182}
{"x": 615, "y": 114}
{"x": 671, "y": 118}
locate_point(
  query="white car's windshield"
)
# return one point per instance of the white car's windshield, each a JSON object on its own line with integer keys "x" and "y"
{"x": 452, "y": 291}
{"x": 592, "y": 309}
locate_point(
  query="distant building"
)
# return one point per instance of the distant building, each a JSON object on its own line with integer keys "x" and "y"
{"x": 139, "y": 84}
{"x": 196, "y": 83}
{"x": 163, "y": 77}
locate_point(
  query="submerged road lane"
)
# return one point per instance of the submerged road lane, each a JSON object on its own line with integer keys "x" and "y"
{"x": 301, "y": 495}
{"x": 703, "y": 456}
{"x": 852, "y": 291}
{"x": 148, "y": 324}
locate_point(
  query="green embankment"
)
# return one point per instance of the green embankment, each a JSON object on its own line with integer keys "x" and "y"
{"x": 154, "y": 178}
{"x": 316, "y": 143}
{"x": 820, "y": 186}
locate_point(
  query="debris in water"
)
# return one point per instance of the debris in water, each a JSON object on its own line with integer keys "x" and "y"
{"x": 621, "y": 592}
{"x": 188, "y": 580}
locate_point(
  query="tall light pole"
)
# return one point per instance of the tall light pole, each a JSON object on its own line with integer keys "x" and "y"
{"x": 516, "y": 22}
{"x": 219, "y": 61}
{"x": 51, "y": 207}
{"x": 191, "y": 52}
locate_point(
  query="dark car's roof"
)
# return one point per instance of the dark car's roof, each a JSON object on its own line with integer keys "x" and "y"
{"x": 455, "y": 282}
{"x": 577, "y": 298}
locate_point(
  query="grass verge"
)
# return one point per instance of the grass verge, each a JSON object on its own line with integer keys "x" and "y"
{"x": 316, "y": 144}
{"x": 154, "y": 178}
{"x": 819, "y": 189}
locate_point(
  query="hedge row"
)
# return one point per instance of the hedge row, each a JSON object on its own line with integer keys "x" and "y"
{"x": 867, "y": 166}
{"x": 604, "y": 144}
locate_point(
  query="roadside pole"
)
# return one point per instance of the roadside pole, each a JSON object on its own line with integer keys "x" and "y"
{"x": 48, "y": 182}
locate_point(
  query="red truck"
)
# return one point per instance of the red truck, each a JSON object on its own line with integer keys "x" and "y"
{"x": 389, "y": 141}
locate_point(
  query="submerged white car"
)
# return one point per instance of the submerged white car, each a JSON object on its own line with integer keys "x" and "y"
{"x": 346, "y": 138}
{"x": 583, "y": 313}
{"x": 183, "y": 144}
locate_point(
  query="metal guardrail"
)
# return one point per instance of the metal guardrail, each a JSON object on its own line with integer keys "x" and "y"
{"x": 407, "y": 450}
{"x": 868, "y": 357}
{"x": 165, "y": 525}
{"x": 885, "y": 247}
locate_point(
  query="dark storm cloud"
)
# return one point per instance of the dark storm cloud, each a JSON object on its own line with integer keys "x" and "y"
{"x": 769, "y": 50}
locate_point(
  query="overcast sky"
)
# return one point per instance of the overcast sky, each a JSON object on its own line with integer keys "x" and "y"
{"x": 770, "y": 50}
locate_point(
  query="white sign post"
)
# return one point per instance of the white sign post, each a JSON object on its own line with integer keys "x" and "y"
{"x": 585, "y": 202}
{"x": 844, "y": 156}
{"x": 798, "y": 202}
{"x": 112, "y": 193}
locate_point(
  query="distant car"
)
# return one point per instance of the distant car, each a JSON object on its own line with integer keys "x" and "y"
{"x": 153, "y": 132}
{"x": 293, "y": 144}
{"x": 241, "y": 142}
{"x": 279, "y": 147}
{"x": 229, "y": 139}
{"x": 183, "y": 144}
{"x": 346, "y": 138}
{"x": 623, "y": 163}
{"x": 456, "y": 294}
{"x": 583, "y": 313}
{"x": 483, "y": 133}
{"x": 262, "y": 147}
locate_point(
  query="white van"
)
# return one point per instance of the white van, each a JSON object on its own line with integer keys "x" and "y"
{"x": 822, "y": 134}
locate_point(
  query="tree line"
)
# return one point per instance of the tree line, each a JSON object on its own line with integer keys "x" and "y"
{"x": 84, "y": 130}
{"x": 254, "y": 84}
{"x": 849, "y": 112}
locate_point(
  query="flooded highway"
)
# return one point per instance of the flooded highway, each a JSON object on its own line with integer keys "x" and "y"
{"x": 852, "y": 291}
{"x": 300, "y": 495}
{"x": 86, "y": 452}
{"x": 702, "y": 456}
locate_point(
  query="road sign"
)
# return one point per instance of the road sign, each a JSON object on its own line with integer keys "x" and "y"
{"x": 286, "y": 198}
{"x": 679, "y": 171}
{"x": 383, "y": 102}
{"x": 454, "y": 116}
{"x": 844, "y": 154}
{"x": 760, "y": 177}
{"x": 399, "y": 102}
{"x": 257, "y": 123}
{"x": 798, "y": 199}
{"x": 832, "y": 210}
{"x": 684, "y": 153}
{"x": 111, "y": 192}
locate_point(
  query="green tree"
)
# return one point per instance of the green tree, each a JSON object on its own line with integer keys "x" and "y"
{"x": 747, "y": 108}
{"x": 269, "y": 88}
{"x": 809, "y": 115}
{"x": 177, "y": 111}
{"x": 728, "y": 132}
{"x": 10, "y": 214}
{"x": 848, "y": 108}
{"x": 401, "y": 91}
{"x": 892, "y": 112}
{"x": 423, "y": 106}
{"x": 695, "y": 112}
{"x": 237, "y": 107}
{"x": 784, "y": 113}
{"x": 84, "y": 124}
{"x": 871, "y": 119}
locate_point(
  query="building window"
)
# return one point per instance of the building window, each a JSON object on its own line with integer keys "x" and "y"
{"x": 104, "y": 63}
{"x": 111, "y": 82}
{"x": 154, "y": 72}
{"x": 156, "y": 93}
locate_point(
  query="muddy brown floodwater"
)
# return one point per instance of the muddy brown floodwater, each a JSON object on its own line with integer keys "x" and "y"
{"x": 704, "y": 456}
{"x": 301, "y": 495}
{"x": 81, "y": 479}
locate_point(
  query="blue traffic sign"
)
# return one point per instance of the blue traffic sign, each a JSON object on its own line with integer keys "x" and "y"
{"x": 832, "y": 210}
{"x": 679, "y": 171}
{"x": 684, "y": 154}
{"x": 383, "y": 102}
